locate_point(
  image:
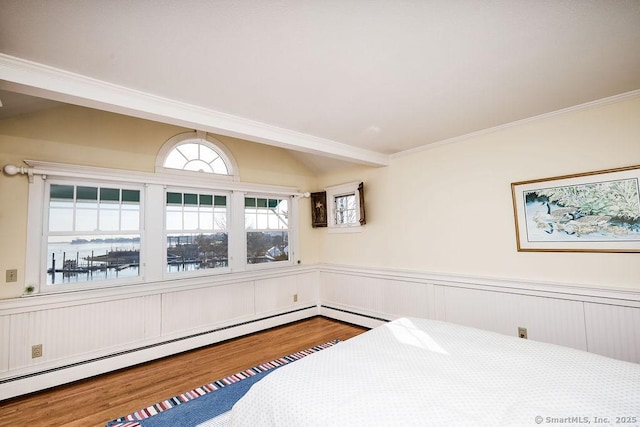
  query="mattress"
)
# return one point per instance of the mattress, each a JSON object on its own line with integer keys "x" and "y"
{"x": 420, "y": 372}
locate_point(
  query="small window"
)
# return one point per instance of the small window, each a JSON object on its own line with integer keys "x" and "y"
{"x": 196, "y": 157}
{"x": 267, "y": 227}
{"x": 345, "y": 207}
{"x": 196, "y": 230}
{"x": 196, "y": 152}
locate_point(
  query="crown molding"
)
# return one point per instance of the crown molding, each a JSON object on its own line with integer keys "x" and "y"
{"x": 44, "y": 81}
{"x": 585, "y": 106}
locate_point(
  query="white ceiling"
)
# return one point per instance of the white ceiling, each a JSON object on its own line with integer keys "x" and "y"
{"x": 378, "y": 75}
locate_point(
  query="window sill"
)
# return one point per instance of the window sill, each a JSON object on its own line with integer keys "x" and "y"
{"x": 63, "y": 298}
{"x": 346, "y": 229}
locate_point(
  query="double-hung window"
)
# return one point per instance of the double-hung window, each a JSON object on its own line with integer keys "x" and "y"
{"x": 196, "y": 230}
{"x": 92, "y": 232}
{"x": 267, "y": 229}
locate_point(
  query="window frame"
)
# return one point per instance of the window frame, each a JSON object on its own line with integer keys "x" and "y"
{"x": 292, "y": 239}
{"x": 204, "y": 139}
{"x": 337, "y": 191}
{"x": 43, "y": 286}
{"x": 153, "y": 239}
{"x": 207, "y": 271}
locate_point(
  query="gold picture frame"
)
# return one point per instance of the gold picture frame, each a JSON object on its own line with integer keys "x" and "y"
{"x": 595, "y": 211}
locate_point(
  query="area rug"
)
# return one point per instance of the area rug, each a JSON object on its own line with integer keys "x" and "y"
{"x": 201, "y": 404}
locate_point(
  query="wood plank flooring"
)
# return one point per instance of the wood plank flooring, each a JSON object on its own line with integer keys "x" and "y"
{"x": 95, "y": 401}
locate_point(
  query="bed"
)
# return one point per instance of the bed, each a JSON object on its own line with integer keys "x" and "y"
{"x": 422, "y": 372}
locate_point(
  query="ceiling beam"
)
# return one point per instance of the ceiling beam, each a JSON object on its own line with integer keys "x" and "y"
{"x": 20, "y": 75}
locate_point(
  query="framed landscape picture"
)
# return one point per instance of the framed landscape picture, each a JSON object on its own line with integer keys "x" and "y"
{"x": 588, "y": 212}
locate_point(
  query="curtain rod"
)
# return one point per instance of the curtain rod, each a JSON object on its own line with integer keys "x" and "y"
{"x": 46, "y": 169}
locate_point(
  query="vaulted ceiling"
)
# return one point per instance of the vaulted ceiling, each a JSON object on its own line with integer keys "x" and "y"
{"x": 356, "y": 80}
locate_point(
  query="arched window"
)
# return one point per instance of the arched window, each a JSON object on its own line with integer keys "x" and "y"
{"x": 196, "y": 152}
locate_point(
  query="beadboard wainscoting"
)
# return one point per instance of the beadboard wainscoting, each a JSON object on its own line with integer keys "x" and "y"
{"x": 599, "y": 320}
{"x": 88, "y": 333}
{"x": 92, "y": 332}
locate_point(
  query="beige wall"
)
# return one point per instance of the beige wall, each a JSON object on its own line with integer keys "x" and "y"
{"x": 449, "y": 210}
{"x": 446, "y": 209}
{"x": 84, "y": 136}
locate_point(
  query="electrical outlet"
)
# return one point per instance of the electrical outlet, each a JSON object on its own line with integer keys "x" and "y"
{"x": 12, "y": 276}
{"x": 522, "y": 332}
{"x": 295, "y": 297}
{"x": 36, "y": 351}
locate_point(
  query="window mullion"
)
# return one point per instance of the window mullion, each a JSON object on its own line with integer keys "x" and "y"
{"x": 37, "y": 216}
{"x": 154, "y": 250}
{"x": 237, "y": 235}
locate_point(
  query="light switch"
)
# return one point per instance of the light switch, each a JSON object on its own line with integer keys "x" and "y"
{"x": 12, "y": 276}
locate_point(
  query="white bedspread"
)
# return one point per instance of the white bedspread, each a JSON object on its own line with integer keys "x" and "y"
{"x": 424, "y": 372}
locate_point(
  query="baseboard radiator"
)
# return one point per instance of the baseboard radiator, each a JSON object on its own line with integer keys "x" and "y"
{"x": 70, "y": 372}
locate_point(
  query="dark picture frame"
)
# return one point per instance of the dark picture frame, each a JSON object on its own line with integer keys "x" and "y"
{"x": 319, "y": 209}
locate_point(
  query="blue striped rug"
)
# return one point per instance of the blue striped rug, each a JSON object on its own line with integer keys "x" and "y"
{"x": 200, "y": 404}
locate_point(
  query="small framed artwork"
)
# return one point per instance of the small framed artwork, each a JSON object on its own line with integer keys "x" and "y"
{"x": 589, "y": 212}
{"x": 319, "y": 209}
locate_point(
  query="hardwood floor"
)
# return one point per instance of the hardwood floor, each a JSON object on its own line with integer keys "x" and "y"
{"x": 95, "y": 401}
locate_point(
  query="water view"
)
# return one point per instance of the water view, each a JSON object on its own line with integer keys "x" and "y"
{"x": 81, "y": 260}
{"x": 115, "y": 257}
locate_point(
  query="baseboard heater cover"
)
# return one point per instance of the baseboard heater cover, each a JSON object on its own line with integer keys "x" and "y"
{"x": 146, "y": 347}
{"x": 355, "y": 313}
